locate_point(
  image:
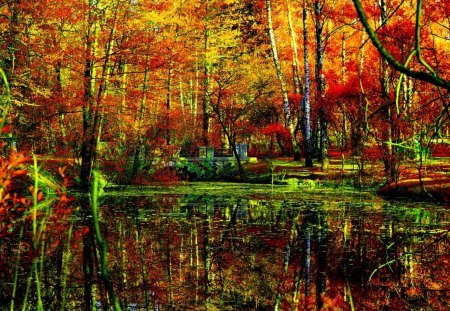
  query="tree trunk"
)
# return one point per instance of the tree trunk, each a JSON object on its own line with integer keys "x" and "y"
{"x": 306, "y": 107}
{"x": 139, "y": 122}
{"x": 181, "y": 90}
{"x": 320, "y": 85}
{"x": 295, "y": 71}
{"x": 12, "y": 41}
{"x": 295, "y": 60}
{"x": 121, "y": 248}
{"x": 168, "y": 259}
{"x": 231, "y": 137}
{"x": 207, "y": 259}
{"x": 241, "y": 171}
{"x": 168, "y": 101}
{"x": 343, "y": 105}
{"x": 59, "y": 94}
{"x": 286, "y": 260}
{"x": 321, "y": 257}
{"x": 388, "y": 150}
{"x": 92, "y": 109}
{"x": 206, "y": 82}
{"x": 144, "y": 272}
{"x": 89, "y": 114}
{"x": 307, "y": 262}
{"x": 281, "y": 79}
{"x": 360, "y": 123}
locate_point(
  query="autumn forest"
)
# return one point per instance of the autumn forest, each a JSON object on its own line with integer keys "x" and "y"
{"x": 288, "y": 78}
{"x": 284, "y": 97}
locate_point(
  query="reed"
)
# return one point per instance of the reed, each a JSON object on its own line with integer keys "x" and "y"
{"x": 104, "y": 271}
{"x": 16, "y": 271}
{"x": 35, "y": 235}
{"x": 8, "y": 99}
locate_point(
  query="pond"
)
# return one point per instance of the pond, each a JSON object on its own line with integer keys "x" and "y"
{"x": 241, "y": 247}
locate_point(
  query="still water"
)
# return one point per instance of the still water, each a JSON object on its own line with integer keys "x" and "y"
{"x": 241, "y": 247}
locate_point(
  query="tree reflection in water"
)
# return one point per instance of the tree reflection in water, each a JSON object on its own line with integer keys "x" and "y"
{"x": 199, "y": 252}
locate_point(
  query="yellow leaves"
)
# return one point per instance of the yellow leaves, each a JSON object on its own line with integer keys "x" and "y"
{"x": 161, "y": 16}
{"x": 228, "y": 2}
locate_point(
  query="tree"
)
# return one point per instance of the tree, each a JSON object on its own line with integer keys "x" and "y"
{"x": 319, "y": 22}
{"x": 231, "y": 103}
{"x": 407, "y": 57}
{"x": 94, "y": 95}
{"x": 308, "y": 145}
{"x": 281, "y": 79}
{"x": 297, "y": 82}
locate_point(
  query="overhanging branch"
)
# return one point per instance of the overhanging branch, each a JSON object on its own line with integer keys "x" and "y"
{"x": 431, "y": 78}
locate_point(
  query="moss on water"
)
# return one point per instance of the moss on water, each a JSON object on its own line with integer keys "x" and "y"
{"x": 304, "y": 190}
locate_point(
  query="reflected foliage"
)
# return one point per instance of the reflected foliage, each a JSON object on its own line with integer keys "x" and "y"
{"x": 202, "y": 252}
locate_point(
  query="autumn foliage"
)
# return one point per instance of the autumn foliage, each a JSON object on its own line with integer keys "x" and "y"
{"x": 14, "y": 203}
{"x": 125, "y": 86}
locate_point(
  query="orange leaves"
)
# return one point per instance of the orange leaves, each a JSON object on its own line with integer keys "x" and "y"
{"x": 19, "y": 172}
{"x": 64, "y": 199}
{"x": 61, "y": 171}
{"x": 16, "y": 203}
{"x": 413, "y": 292}
{"x": 328, "y": 303}
{"x": 331, "y": 304}
{"x": 67, "y": 181}
{"x": 13, "y": 204}
{"x": 40, "y": 196}
{"x": 16, "y": 159}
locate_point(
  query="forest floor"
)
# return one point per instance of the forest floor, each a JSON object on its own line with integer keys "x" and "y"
{"x": 433, "y": 184}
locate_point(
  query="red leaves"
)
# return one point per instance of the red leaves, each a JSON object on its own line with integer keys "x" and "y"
{"x": 64, "y": 199}
{"x": 79, "y": 234}
{"x": 260, "y": 6}
{"x": 6, "y": 128}
{"x": 295, "y": 101}
{"x": 344, "y": 91}
{"x": 20, "y": 172}
{"x": 275, "y": 128}
{"x": 40, "y": 196}
{"x": 17, "y": 204}
{"x": 276, "y": 243}
{"x": 328, "y": 303}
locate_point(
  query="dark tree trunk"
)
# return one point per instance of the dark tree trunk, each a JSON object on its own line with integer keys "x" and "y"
{"x": 320, "y": 85}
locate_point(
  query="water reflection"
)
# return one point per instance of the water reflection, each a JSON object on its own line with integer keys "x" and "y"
{"x": 200, "y": 252}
